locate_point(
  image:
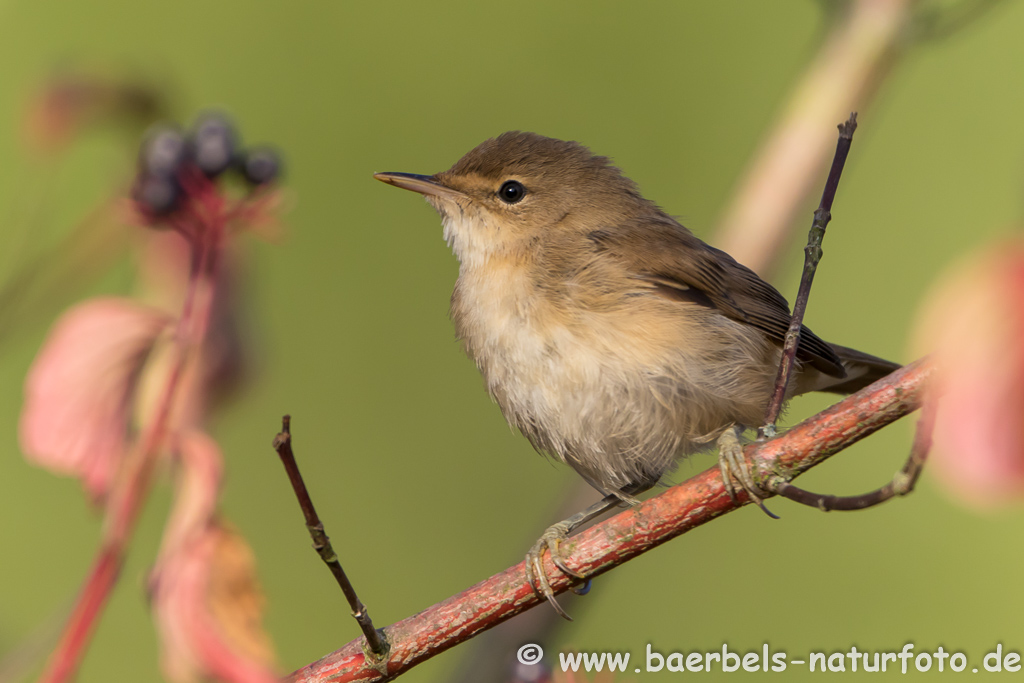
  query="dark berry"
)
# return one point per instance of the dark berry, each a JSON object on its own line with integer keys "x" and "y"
{"x": 163, "y": 152}
{"x": 157, "y": 194}
{"x": 260, "y": 165}
{"x": 213, "y": 144}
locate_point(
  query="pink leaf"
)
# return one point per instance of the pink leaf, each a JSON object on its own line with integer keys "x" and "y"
{"x": 974, "y": 324}
{"x": 206, "y": 596}
{"x": 78, "y": 392}
{"x": 196, "y": 491}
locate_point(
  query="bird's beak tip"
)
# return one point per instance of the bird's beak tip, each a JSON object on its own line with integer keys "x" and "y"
{"x": 385, "y": 177}
{"x": 424, "y": 184}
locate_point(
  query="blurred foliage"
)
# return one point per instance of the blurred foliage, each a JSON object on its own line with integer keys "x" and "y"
{"x": 421, "y": 485}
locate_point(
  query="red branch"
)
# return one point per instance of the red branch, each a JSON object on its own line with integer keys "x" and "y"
{"x": 630, "y": 533}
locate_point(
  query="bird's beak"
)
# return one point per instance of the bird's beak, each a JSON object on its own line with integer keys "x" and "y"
{"x": 424, "y": 184}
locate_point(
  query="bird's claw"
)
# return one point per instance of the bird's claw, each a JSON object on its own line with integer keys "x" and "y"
{"x": 733, "y": 466}
{"x": 535, "y": 575}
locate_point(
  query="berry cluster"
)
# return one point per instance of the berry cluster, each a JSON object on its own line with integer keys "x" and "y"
{"x": 172, "y": 161}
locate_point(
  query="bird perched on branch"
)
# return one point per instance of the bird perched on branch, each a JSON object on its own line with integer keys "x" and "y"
{"x": 610, "y": 336}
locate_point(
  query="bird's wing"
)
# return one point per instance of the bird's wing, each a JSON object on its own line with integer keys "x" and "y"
{"x": 680, "y": 266}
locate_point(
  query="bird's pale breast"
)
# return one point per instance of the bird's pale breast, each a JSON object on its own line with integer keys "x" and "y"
{"x": 617, "y": 396}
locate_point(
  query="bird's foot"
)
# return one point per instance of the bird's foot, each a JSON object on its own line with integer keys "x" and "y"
{"x": 733, "y": 466}
{"x": 550, "y": 540}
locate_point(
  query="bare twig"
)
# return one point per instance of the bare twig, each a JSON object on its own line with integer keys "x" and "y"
{"x": 628, "y": 534}
{"x": 902, "y": 483}
{"x": 812, "y": 256}
{"x": 375, "y": 640}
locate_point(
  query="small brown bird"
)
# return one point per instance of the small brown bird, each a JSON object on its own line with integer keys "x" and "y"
{"x": 608, "y": 334}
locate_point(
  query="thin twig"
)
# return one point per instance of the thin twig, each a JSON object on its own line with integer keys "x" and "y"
{"x": 812, "y": 255}
{"x": 902, "y": 483}
{"x": 375, "y": 640}
{"x": 628, "y": 534}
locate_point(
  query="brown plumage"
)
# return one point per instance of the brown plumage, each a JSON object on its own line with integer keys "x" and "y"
{"x": 609, "y": 334}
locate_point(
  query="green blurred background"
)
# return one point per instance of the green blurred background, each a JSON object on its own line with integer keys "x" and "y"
{"x": 422, "y": 486}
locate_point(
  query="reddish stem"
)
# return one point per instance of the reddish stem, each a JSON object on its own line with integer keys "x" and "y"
{"x": 82, "y": 621}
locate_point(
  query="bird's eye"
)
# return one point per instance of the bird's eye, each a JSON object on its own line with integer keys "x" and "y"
{"x": 511, "y": 191}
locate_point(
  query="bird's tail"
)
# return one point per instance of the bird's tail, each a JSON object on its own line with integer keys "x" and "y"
{"x": 861, "y": 370}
